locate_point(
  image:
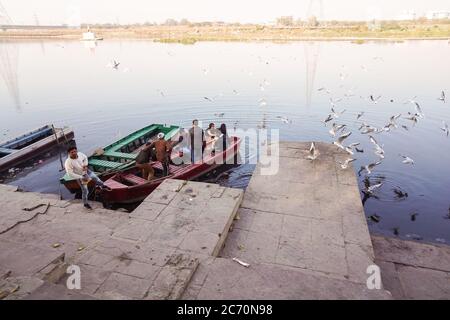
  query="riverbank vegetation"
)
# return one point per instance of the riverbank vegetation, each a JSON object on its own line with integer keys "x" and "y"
{"x": 186, "y": 32}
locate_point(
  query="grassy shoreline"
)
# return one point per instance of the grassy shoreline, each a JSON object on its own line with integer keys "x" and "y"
{"x": 190, "y": 34}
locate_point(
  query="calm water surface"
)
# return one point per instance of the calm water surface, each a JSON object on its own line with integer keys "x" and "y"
{"x": 71, "y": 83}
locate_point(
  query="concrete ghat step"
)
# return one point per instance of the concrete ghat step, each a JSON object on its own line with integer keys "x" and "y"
{"x": 413, "y": 270}
{"x": 227, "y": 279}
{"x": 306, "y": 217}
{"x": 190, "y": 216}
{"x": 50, "y": 291}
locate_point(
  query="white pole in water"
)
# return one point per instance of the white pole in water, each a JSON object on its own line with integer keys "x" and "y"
{"x": 59, "y": 149}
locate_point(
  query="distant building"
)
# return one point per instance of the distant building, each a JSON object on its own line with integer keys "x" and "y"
{"x": 409, "y": 15}
{"x": 285, "y": 21}
{"x": 433, "y": 15}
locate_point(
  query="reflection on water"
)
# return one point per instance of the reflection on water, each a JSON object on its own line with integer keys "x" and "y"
{"x": 91, "y": 45}
{"x": 251, "y": 85}
{"x": 312, "y": 51}
{"x": 9, "y": 60}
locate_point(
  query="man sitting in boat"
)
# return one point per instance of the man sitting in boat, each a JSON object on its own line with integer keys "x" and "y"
{"x": 163, "y": 150}
{"x": 76, "y": 166}
{"x": 143, "y": 162}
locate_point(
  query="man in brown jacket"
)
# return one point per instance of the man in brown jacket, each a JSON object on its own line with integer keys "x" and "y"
{"x": 163, "y": 150}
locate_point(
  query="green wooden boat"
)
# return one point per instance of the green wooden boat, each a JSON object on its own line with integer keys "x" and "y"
{"x": 121, "y": 154}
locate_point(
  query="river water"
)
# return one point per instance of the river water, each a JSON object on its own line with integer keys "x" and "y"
{"x": 284, "y": 86}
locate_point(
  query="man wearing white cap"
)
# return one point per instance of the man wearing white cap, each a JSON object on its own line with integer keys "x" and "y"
{"x": 163, "y": 149}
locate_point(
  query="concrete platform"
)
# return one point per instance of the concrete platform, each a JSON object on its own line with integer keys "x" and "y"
{"x": 413, "y": 270}
{"x": 151, "y": 253}
{"x": 303, "y": 231}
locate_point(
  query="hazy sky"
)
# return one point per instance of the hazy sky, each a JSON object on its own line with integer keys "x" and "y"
{"x": 129, "y": 11}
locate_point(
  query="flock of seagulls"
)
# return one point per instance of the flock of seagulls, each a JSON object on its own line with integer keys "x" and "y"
{"x": 340, "y": 133}
{"x": 262, "y": 102}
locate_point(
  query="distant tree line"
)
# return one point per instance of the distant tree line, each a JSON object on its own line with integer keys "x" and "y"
{"x": 289, "y": 21}
{"x": 284, "y": 21}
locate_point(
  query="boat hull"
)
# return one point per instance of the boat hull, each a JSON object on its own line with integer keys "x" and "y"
{"x": 117, "y": 150}
{"x": 29, "y": 152}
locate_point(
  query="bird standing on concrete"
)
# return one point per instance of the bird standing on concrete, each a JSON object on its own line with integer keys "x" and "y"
{"x": 313, "y": 152}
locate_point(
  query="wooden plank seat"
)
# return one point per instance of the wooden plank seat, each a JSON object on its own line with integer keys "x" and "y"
{"x": 131, "y": 139}
{"x": 133, "y": 178}
{"x": 121, "y": 155}
{"x": 104, "y": 163}
{"x": 113, "y": 184}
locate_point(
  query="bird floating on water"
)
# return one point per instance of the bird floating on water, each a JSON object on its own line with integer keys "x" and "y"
{"x": 400, "y": 194}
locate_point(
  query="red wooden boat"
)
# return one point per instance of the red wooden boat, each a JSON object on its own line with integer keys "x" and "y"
{"x": 130, "y": 187}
